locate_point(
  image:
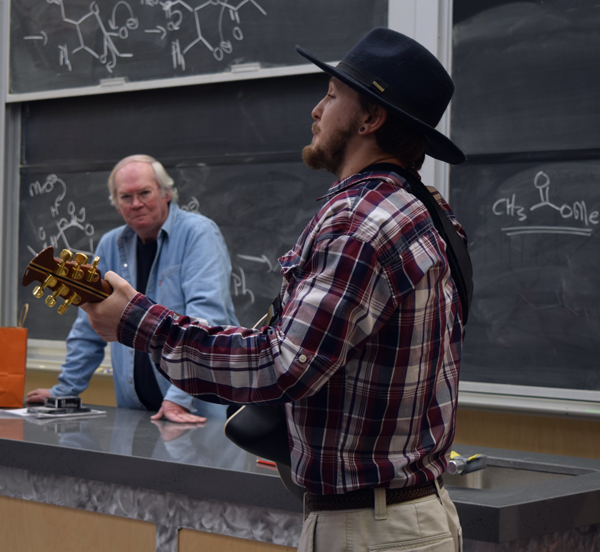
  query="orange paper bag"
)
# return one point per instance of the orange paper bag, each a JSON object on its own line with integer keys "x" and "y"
{"x": 13, "y": 360}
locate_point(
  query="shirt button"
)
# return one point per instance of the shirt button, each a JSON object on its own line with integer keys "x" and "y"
{"x": 302, "y": 358}
{"x": 125, "y": 265}
{"x": 129, "y": 380}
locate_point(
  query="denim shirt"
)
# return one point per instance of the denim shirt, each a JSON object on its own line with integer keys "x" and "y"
{"x": 190, "y": 274}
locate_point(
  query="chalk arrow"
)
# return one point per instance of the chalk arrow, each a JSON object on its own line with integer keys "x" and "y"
{"x": 261, "y": 259}
{"x": 158, "y": 29}
{"x": 44, "y": 37}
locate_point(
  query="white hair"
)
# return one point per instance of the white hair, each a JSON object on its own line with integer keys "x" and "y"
{"x": 164, "y": 181}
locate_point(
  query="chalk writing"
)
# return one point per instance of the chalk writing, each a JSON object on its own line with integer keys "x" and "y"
{"x": 178, "y": 59}
{"x": 239, "y": 285}
{"x": 224, "y": 46}
{"x": 63, "y": 57}
{"x": 94, "y": 29}
{"x": 109, "y": 53}
{"x": 75, "y": 221}
{"x": 35, "y": 188}
{"x": 43, "y": 36}
{"x": 192, "y": 206}
{"x": 262, "y": 259}
{"x": 577, "y": 211}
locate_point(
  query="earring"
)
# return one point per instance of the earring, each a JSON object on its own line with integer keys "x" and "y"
{"x": 362, "y": 129}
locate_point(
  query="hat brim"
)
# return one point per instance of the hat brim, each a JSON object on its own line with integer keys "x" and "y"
{"x": 439, "y": 146}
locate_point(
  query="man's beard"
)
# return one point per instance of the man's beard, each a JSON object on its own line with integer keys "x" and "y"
{"x": 330, "y": 154}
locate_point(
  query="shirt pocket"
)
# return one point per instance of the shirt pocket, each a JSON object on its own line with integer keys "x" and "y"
{"x": 437, "y": 543}
{"x": 170, "y": 292}
{"x": 307, "y": 537}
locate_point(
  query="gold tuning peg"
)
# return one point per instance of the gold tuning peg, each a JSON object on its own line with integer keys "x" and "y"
{"x": 38, "y": 291}
{"x": 66, "y": 256}
{"x": 72, "y": 299}
{"x": 80, "y": 258}
{"x": 92, "y": 274}
{"x": 60, "y": 290}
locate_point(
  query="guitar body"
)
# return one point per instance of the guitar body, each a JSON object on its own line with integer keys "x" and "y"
{"x": 262, "y": 430}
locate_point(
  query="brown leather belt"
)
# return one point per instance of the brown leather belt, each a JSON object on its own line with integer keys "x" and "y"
{"x": 365, "y": 498}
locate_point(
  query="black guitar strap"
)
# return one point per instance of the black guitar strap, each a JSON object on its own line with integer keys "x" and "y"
{"x": 458, "y": 256}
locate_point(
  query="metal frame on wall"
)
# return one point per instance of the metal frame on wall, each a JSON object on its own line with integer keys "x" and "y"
{"x": 429, "y": 22}
{"x": 9, "y": 170}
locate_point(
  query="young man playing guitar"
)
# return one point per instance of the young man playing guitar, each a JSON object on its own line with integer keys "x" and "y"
{"x": 365, "y": 355}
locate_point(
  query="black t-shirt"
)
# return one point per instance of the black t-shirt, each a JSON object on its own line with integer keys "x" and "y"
{"x": 146, "y": 387}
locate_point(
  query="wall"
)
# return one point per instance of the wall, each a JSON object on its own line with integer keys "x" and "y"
{"x": 549, "y": 435}
{"x": 501, "y": 430}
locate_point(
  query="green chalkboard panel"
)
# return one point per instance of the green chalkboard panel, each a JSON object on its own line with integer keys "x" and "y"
{"x": 65, "y": 44}
{"x": 527, "y": 113}
{"x": 233, "y": 149}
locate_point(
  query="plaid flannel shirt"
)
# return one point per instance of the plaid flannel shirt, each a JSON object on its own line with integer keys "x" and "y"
{"x": 366, "y": 353}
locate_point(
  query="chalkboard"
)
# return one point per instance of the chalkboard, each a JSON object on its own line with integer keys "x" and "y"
{"x": 233, "y": 149}
{"x": 528, "y": 78}
{"x": 527, "y": 112}
{"x": 535, "y": 247}
{"x": 211, "y": 123}
{"x": 63, "y": 44}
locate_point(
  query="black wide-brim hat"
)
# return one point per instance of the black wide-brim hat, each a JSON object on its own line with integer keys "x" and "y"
{"x": 403, "y": 77}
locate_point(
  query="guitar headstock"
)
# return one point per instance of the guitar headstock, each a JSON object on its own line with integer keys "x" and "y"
{"x": 68, "y": 277}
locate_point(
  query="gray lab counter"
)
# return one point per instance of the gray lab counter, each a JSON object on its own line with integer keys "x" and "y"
{"x": 124, "y": 464}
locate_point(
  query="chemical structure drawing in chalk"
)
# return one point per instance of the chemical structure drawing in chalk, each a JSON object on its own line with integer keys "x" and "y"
{"x": 63, "y": 228}
{"x": 107, "y": 34}
{"x": 92, "y": 23}
{"x": 582, "y": 218}
{"x": 175, "y": 10}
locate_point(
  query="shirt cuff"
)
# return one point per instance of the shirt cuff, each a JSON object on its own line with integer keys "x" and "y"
{"x": 179, "y": 397}
{"x": 139, "y": 321}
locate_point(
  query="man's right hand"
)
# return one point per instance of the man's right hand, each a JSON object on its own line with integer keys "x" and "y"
{"x": 37, "y": 395}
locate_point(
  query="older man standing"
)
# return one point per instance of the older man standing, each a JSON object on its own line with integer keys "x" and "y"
{"x": 365, "y": 355}
{"x": 179, "y": 259}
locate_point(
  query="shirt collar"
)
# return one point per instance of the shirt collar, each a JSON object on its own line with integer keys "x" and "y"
{"x": 167, "y": 227}
{"x": 377, "y": 170}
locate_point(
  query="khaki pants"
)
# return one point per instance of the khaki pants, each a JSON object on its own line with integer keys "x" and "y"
{"x": 427, "y": 524}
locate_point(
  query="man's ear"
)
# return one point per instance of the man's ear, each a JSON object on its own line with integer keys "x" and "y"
{"x": 373, "y": 120}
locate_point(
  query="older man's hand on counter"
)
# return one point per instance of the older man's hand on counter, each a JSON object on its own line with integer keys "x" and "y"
{"x": 177, "y": 413}
{"x": 37, "y": 396}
